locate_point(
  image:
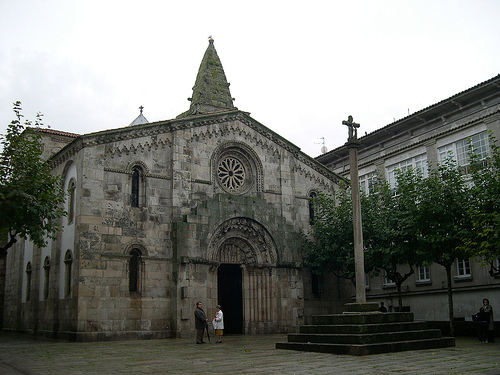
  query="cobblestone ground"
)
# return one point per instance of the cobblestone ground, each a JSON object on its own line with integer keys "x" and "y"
{"x": 23, "y": 354}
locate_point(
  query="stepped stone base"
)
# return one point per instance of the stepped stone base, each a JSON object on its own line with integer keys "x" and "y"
{"x": 363, "y": 333}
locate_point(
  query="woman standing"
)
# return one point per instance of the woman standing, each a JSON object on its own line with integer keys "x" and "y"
{"x": 491, "y": 324}
{"x": 218, "y": 323}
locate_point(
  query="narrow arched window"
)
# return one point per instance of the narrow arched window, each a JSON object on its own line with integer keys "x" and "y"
{"x": 28, "y": 281}
{"x": 68, "y": 265}
{"x": 312, "y": 196}
{"x": 46, "y": 271}
{"x": 134, "y": 271}
{"x": 136, "y": 187}
{"x": 71, "y": 201}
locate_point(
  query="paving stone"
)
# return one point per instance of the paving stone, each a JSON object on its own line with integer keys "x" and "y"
{"x": 239, "y": 354}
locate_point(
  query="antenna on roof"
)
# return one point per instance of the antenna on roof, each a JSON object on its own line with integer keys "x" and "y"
{"x": 324, "y": 150}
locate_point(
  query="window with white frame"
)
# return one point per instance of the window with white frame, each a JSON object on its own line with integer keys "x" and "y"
{"x": 388, "y": 282}
{"x": 418, "y": 163}
{"x": 463, "y": 269}
{"x": 495, "y": 268}
{"x": 423, "y": 274}
{"x": 366, "y": 180}
{"x": 459, "y": 151}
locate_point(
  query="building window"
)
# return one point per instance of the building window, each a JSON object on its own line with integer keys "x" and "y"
{"x": 136, "y": 187}
{"x": 46, "y": 283}
{"x": 459, "y": 151}
{"x": 388, "y": 283}
{"x": 134, "y": 271}
{"x": 463, "y": 269}
{"x": 312, "y": 196}
{"x": 418, "y": 163}
{"x": 366, "y": 181}
{"x": 71, "y": 201}
{"x": 68, "y": 265}
{"x": 29, "y": 272}
{"x": 423, "y": 274}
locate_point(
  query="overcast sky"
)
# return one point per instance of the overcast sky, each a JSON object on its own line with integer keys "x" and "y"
{"x": 298, "y": 67}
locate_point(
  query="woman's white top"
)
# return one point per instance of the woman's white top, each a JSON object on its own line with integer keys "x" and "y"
{"x": 218, "y": 321}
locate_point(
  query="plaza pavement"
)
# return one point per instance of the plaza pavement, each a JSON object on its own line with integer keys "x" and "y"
{"x": 241, "y": 354}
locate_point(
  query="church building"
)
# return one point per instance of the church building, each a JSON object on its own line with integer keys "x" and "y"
{"x": 211, "y": 206}
{"x": 208, "y": 207}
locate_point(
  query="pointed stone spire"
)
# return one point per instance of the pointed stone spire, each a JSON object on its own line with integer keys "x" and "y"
{"x": 211, "y": 90}
{"x": 140, "y": 119}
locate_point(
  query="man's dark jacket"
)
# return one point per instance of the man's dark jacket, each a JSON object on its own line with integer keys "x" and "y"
{"x": 200, "y": 318}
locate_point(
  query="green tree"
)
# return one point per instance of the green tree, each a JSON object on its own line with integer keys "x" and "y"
{"x": 442, "y": 219}
{"x": 484, "y": 238}
{"x": 388, "y": 226}
{"x": 330, "y": 247}
{"x": 31, "y": 199}
{"x": 389, "y": 239}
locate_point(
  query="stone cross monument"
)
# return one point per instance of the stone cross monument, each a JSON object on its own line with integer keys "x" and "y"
{"x": 359, "y": 258}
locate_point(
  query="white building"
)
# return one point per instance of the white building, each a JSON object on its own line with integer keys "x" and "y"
{"x": 421, "y": 139}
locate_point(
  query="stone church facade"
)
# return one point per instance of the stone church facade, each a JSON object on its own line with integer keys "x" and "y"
{"x": 208, "y": 206}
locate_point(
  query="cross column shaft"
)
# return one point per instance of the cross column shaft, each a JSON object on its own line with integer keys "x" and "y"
{"x": 359, "y": 257}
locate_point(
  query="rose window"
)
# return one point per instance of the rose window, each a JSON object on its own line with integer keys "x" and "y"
{"x": 231, "y": 173}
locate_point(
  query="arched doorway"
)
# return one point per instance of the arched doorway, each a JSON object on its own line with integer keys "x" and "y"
{"x": 230, "y": 297}
{"x": 246, "y": 286}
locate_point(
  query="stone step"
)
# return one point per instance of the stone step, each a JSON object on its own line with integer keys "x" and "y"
{"x": 367, "y": 349}
{"x": 366, "y": 318}
{"x": 366, "y": 328}
{"x": 371, "y": 338}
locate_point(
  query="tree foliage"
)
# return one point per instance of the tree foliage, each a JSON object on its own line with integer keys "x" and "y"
{"x": 330, "y": 247}
{"x": 30, "y": 197}
{"x": 391, "y": 237}
{"x": 484, "y": 238}
{"x": 422, "y": 221}
{"x": 443, "y": 221}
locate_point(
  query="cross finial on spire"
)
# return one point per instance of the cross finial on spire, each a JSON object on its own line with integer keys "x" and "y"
{"x": 141, "y": 108}
{"x": 353, "y": 128}
{"x": 210, "y": 39}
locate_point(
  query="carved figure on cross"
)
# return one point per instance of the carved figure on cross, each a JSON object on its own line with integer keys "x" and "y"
{"x": 353, "y": 128}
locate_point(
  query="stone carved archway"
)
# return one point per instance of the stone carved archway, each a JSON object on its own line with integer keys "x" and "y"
{"x": 246, "y": 242}
{"x": 246, "y": 235}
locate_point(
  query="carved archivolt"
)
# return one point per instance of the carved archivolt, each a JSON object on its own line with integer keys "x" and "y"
{"x": 135, "y": 245}
{"x": 137, "y": 163}
{"x": 243, "y": 241}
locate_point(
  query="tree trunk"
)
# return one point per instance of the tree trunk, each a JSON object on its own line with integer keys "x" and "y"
{"x": 400, "y": 297}
{"x": 450, "y": 300}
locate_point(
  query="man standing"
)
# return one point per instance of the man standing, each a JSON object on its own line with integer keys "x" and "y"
{"x": 200, "y": 322}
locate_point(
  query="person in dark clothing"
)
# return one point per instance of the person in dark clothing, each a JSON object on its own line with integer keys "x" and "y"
{"x": 382, "y": 308}
{"x": 200, "y": 322}
{"x": 491, "y": 323}
{"x": 482, "y": 320}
